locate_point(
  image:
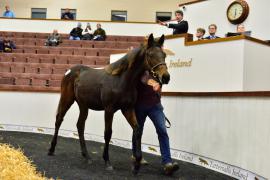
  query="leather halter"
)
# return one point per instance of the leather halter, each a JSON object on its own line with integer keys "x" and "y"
{"x": 154, "y": 74}
{"x": 152, "y": 70}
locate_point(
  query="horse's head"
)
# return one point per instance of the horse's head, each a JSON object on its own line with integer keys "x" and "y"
{"x": 150, "y": 55}
{"x": 154, "y": 60}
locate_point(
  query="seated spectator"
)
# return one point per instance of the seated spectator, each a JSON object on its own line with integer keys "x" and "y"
{"x": 67, "y": 15}
{"x": 212, "y": 28}
{"x": 99, "y": 34}
{"x": 240, "y": 29}
{"x": 76, "y": 33}
{"x": 8, "y": 46}
{"x": 8, "y": 13}
{"x": 200, "y": 33}
{"x": 54, "y": 39}
{"x": 180, "y": 27}
{"x": 87, "y": 32}
{"x": 1, "y": 45}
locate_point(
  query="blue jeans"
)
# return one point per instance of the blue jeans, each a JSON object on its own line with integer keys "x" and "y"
{"x": 74, "y": 38}
{"x": 155, "y": 113}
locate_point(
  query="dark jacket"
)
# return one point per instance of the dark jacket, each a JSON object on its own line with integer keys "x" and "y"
{"x": 211, "y": 37}
{"x": 7, "y": 46}
{"x": 146, "y": 95}
{"x": 1, "y": 45}
{"x": 76, "y": 32}
{"x": 179, "y": 28}
{"x": 67, "y": 15}
{"x": 100, "y": 32}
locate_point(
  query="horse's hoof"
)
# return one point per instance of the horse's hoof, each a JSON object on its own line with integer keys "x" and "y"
{"x": 135, "y": 172}
{"x": 50, "y": 153}
{"x": 89, "y": 161}
{"x": 85, "y": 155}
{"x": 109, "y": 168}
{"x": 135, "y": 169}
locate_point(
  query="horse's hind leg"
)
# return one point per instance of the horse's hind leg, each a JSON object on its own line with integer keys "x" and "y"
{"x": 64, "y": 104}
{"x": 107, "y": 137}
{"x": 80, "y": 126}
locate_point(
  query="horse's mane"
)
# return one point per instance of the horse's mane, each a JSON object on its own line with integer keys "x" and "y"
{"x": 126, "y": 62}
{"x": 129, "y": 60}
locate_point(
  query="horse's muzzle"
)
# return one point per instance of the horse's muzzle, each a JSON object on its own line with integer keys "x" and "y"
{"x": 165, "y": 79}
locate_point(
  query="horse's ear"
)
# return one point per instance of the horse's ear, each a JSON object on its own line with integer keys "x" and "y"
{"x": 150, "y": 40}
{"x": 161, "y": 40}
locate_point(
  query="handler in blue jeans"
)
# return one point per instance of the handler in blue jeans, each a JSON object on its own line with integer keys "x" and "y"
{"x": 148, "y": 104}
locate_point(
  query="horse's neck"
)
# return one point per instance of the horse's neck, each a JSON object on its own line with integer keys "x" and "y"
{"x": 134, "y": 73}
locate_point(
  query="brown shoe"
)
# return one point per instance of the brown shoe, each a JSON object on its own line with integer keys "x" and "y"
{"x": 170, "y": 168}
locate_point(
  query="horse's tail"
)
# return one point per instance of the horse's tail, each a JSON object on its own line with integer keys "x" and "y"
{"x": 67, "y": 89}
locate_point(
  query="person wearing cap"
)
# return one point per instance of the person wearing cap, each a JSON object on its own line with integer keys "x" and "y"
{"x": 87, "y": 32}
{"x": 8, "y": 13}
{"x": 180, "y": 27}
{"x": 76, "y": 33}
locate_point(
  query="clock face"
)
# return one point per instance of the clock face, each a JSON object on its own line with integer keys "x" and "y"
{"x": 235, "y": 11}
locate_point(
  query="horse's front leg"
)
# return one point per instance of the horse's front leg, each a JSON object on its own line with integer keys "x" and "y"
{"x": 136, "y": 138}
{"x": 107, "y": 137}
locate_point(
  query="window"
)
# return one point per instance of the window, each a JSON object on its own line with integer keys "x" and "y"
{"x": 38, "y": 13}
{"x": 119, "y": 16}
{"x": 163, "y": 16}
{"x": 72, "y": 11}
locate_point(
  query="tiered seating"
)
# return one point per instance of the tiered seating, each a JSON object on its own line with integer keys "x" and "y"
{"x": 33, "y": 66}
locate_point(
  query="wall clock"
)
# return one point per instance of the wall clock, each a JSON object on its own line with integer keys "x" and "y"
{"x": 238, "y": 11}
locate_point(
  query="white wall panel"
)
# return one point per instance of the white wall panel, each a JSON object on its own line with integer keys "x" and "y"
{"x": 230, "y": 130}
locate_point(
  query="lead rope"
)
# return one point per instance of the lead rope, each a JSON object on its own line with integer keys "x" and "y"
{"x": 168, "y": 122}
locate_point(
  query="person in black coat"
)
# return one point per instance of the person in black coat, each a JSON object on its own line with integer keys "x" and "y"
{"x": 67, "y": 15}
{"x": 7, "y": 46}
{"x": 181, "y": 26}
{"x": 76, "y": 33}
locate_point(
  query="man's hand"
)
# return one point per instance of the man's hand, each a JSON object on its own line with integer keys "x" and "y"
{"x": 162, "y": 23}
{"x": 154, "y": 84}
{"x": 156, "y": 87}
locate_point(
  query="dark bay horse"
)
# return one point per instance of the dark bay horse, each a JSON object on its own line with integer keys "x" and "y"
{"x": 110, "y": 89}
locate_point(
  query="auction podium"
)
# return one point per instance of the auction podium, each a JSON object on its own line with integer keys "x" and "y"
{"x": 239, "y": 63}
{"x": 218, "y": 102}
{"x": 231, "y": 64}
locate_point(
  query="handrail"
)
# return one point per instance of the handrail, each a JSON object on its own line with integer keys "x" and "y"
{"x": 78, "y": 20}
{"x": 18, "y": 88}
{"x": 190, "y": 42}
{"x": 192, "y": 2}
